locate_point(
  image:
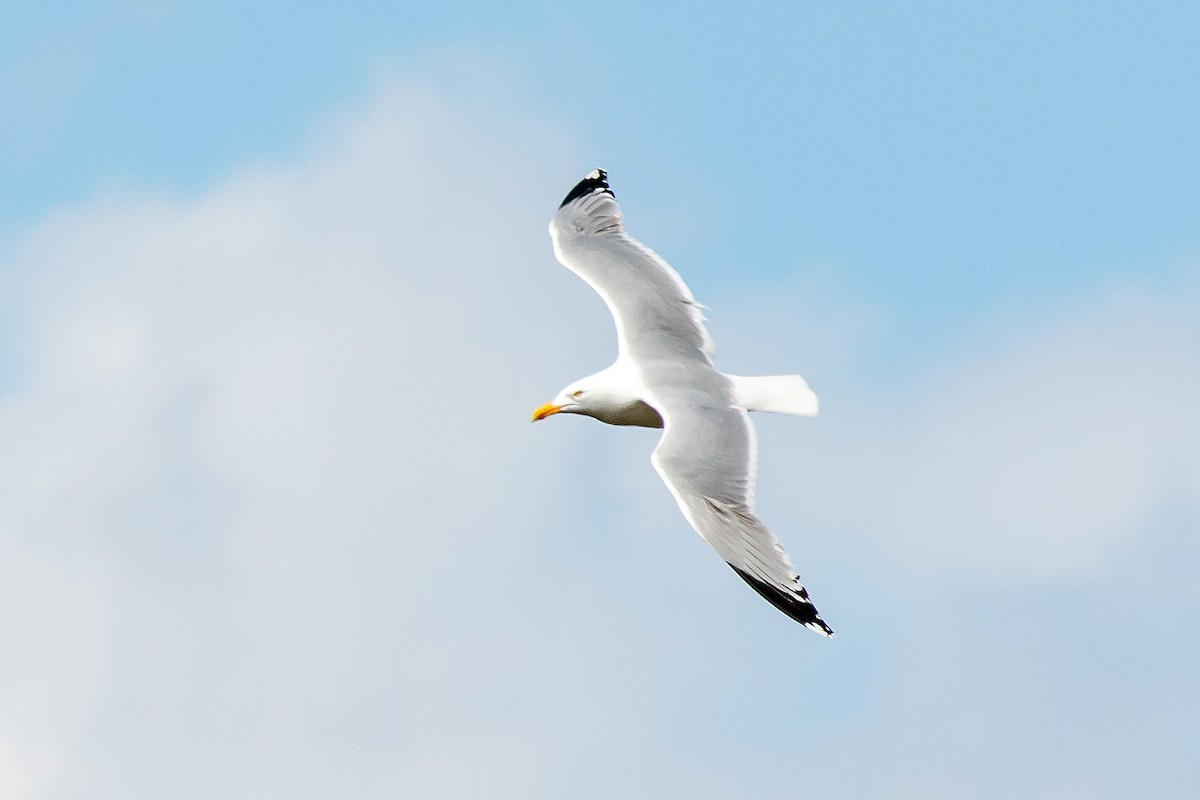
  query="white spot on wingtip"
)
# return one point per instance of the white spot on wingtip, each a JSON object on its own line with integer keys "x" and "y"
{"x": 819, "y": 628}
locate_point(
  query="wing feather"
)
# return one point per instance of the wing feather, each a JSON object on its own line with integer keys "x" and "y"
{"x": 647, "y": 298}
{"x": 706, "y": 458}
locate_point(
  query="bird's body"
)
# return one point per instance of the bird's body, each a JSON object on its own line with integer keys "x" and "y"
{"x": 664, "y": 377}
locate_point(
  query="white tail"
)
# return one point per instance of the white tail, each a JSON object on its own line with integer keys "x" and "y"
{"x": 783, "y": 394}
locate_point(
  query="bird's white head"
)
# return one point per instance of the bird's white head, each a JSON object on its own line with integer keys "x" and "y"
{"x": 609, "y": 396}
{"x": 578, "y": 398}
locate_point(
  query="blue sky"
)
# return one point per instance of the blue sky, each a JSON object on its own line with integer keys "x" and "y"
{"x": 963, "y": 159}
{"x": 276, "y": 299}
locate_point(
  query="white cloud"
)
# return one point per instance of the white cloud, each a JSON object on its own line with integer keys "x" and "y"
{"x": 271, "y": 442}
{"x": 1033, "y": 455}
{"x": 1017, "y": 534}
{"x": 1050, "y": 454}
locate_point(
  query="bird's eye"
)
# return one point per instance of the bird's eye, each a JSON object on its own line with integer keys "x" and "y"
{"x": 577, "y": 393}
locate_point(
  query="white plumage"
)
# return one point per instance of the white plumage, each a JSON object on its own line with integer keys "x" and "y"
{"x": 664, "y": 376}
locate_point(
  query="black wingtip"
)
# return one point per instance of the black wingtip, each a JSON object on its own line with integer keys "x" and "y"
{"x": 597, "y": 179}
{"x": 795, "y": 605}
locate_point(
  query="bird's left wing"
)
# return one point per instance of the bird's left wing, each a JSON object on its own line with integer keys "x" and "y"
{"x": 651, "y": 305}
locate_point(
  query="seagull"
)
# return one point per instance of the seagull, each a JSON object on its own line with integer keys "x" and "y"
{"x": 664, "y": 377}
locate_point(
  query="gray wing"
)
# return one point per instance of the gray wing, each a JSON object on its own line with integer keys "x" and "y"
{"x": 654, "y": 310}
{"x": 707, "y": 459}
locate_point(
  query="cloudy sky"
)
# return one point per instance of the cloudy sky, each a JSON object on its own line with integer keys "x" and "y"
{"x": 277, "y": 298}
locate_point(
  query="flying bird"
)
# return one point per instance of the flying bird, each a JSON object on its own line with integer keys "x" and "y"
{"x": 664, "y": 377}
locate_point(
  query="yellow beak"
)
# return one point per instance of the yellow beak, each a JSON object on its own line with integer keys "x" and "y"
{"x": 544, "y": 411}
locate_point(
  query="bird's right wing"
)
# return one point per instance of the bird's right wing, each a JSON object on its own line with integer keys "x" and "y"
{"x": 707, "y": 459}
